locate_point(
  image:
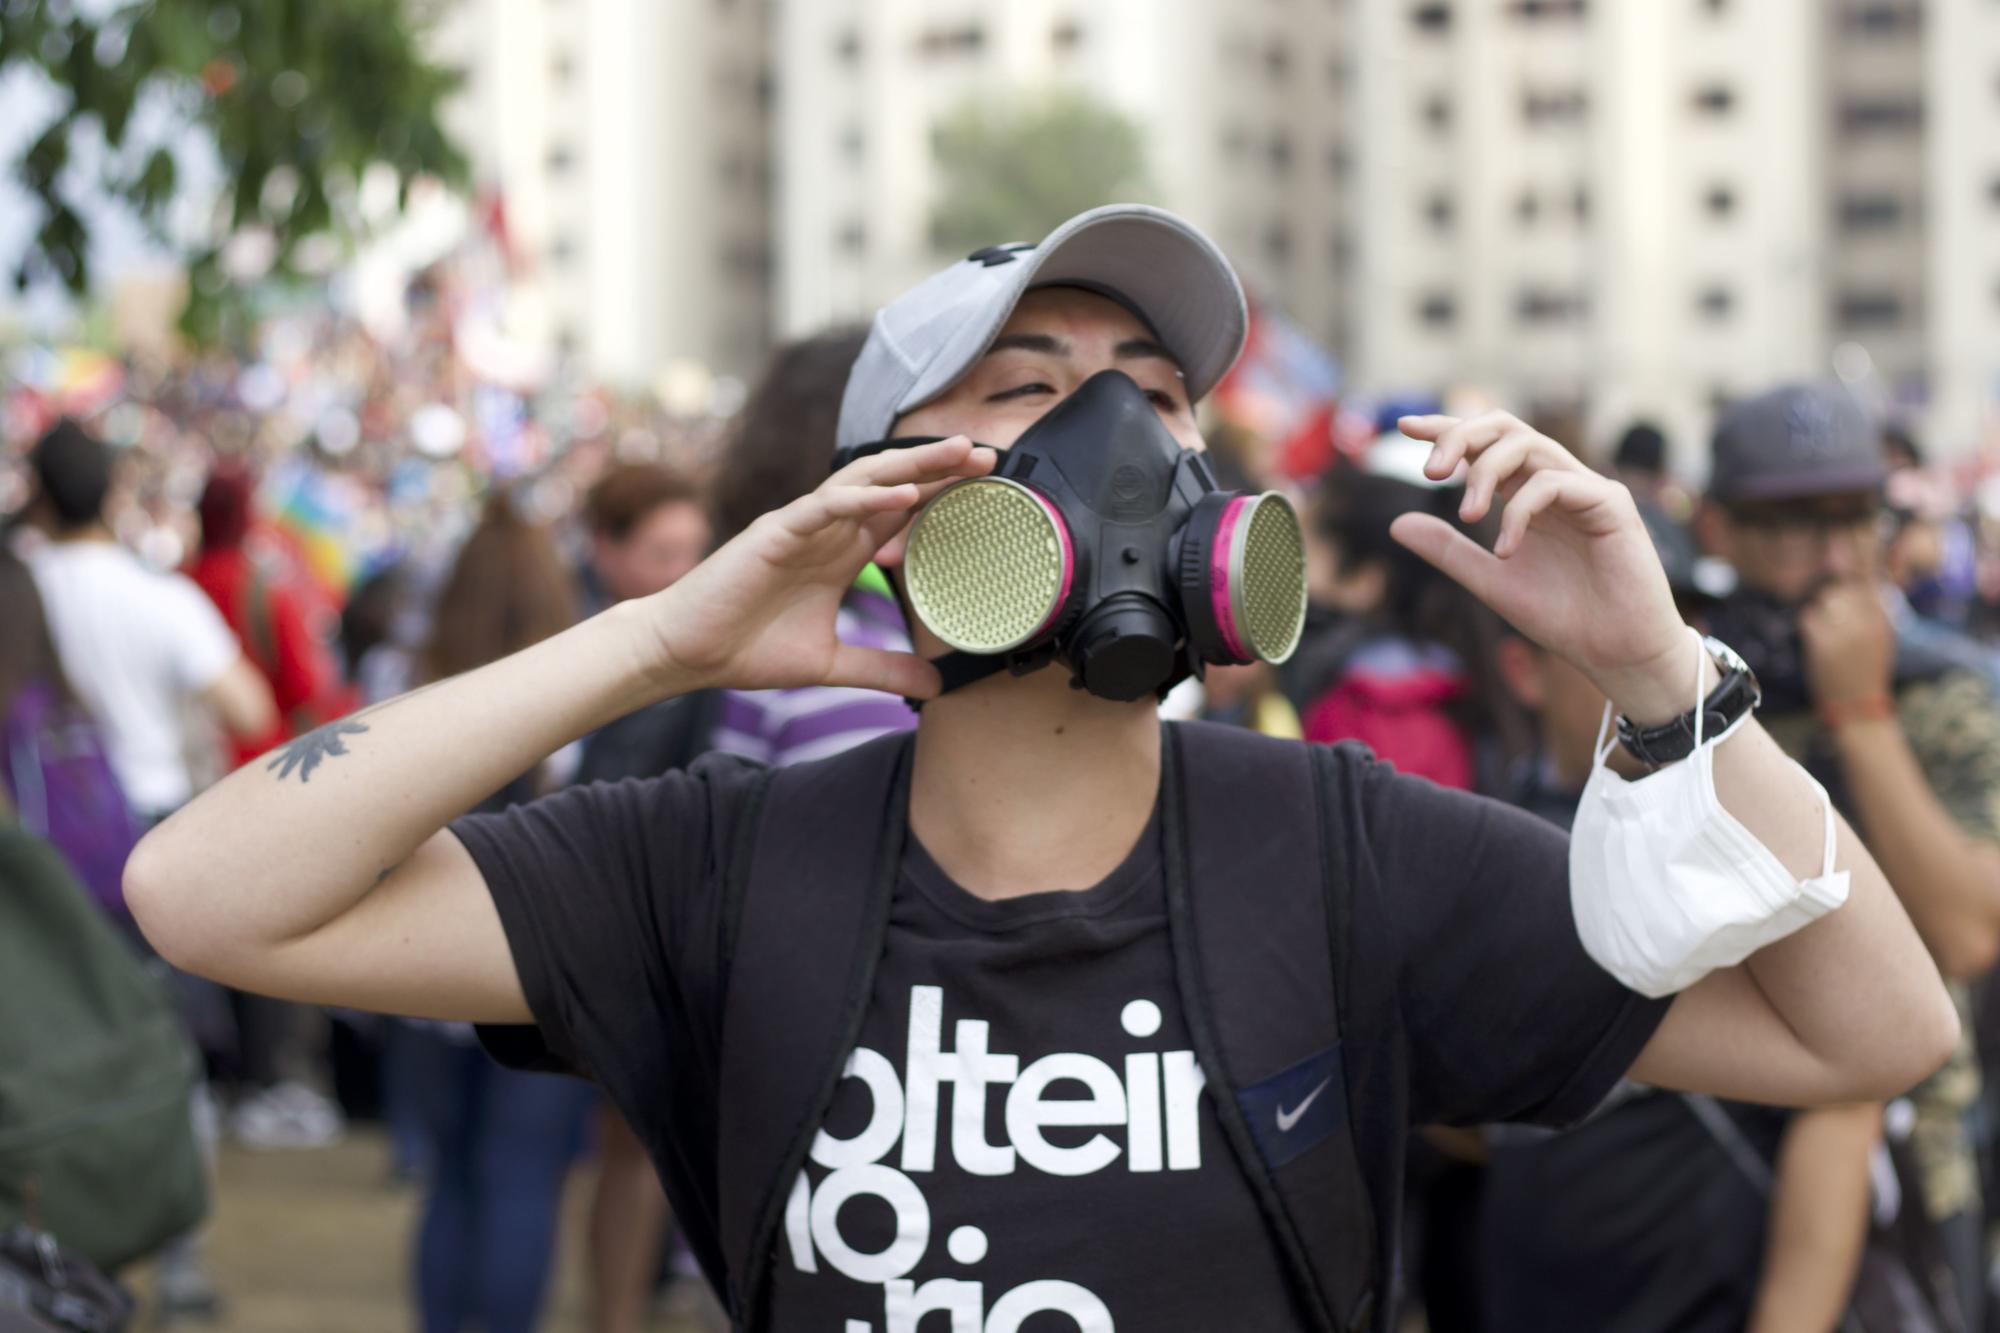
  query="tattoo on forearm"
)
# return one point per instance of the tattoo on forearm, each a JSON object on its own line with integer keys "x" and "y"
{"x": 315, "y": 747}
{"x": 308, "y": 751}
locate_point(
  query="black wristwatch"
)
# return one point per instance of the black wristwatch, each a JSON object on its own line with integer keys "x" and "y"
{"x": 1736, "y": 695}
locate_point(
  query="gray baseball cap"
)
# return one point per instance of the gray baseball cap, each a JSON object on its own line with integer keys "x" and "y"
{"x": 1146, "y": 259}
{"x": 1795, "y": 442}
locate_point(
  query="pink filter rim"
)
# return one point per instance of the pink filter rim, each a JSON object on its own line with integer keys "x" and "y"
{"x": 1218, "y": 576}
{"x": 1068, "y": 559}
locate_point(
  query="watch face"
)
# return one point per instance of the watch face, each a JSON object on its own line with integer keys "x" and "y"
{"x": 1731, "y": 660}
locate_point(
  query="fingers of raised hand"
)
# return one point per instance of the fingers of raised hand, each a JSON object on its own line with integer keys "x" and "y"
{"x": 877, "y": 669}
{"x": 1504, "y": 460}
{"x": 1451, "y": 551}
{"x": 1455, "y": 439}
{"x": 939, "y": 460}
{"x": 1577, "y": 490}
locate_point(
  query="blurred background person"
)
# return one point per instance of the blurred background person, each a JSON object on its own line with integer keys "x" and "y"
{"x": 778, "y": 451}
{"x": 53, "y": 767}
{"x": 138, "y": 645}
{"x": 1400, "y": 658}
{"x": 1644, "y": 1219}
{"x": 271, "y": 624}
{"x": 141, "y": 647}
{"x": 1905, "y": 738}
{"x": 500, "y": 1142}
{"x": 648, "y": 526}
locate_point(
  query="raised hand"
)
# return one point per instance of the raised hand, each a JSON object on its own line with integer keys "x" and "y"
{"x": 1572, "y": 568}
{"x": 760, "y": 612}
{"x": 1850, "y": 645}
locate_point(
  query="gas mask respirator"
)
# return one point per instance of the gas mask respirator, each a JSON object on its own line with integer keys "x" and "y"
{"x": 1098, "y": 540}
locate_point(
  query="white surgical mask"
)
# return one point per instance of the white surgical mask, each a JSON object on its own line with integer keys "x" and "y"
{"x": 1666, "y": 885}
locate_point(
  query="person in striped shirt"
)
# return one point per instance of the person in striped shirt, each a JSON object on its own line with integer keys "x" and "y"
{"x": 778, "y": 453}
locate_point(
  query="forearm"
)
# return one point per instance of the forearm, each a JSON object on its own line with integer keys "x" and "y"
{"x": 287, "y": 844}
{"x": 1857, "y": 988}
{"x": 1949, "y": 884}
{"x": 1856, "y": 991}
{"x": 1818, "y": 1220}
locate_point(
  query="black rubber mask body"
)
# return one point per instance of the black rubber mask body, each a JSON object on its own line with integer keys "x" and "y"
{"x": 1099, "y": 540}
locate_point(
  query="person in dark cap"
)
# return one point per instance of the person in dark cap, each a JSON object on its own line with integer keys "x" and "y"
{"x": 1903, "y": 735}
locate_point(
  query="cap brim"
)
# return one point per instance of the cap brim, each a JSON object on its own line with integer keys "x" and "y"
{"x": 1167, "y": 270}
{"x": 1805, "y": 485}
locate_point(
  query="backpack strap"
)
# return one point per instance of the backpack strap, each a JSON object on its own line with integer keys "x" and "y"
{"x": 1257, "y": 905}
{"x": 813, "y": 909}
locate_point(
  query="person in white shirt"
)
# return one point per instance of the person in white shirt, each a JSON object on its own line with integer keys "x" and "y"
{"x": 138, "y": 643}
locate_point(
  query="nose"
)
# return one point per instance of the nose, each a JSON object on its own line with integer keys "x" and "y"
{"x": 1837, "y": 558}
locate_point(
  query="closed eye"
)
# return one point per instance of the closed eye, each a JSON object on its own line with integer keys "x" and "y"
{"x": 1020, "y": 391}
{"x": 1159, "y": 398}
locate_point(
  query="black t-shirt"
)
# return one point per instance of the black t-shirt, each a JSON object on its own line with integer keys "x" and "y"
{"x": 1635, "y": 1222}
{"x": 1022, "y": 1129}
{"x": 1469, "y": 1000}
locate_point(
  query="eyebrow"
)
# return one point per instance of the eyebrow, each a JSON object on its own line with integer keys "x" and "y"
{"x": 1132, "y": 349}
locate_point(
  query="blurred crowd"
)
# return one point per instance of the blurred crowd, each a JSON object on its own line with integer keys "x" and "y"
{"x": 208, "y": 560}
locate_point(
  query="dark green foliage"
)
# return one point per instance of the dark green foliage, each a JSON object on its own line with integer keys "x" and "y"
{"x": 310, "y": 92}
{"x": 1016, "y": 172}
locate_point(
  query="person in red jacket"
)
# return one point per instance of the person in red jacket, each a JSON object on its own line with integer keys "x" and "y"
{"x": 271, "y": 616}
{"x": 266, "y": 612}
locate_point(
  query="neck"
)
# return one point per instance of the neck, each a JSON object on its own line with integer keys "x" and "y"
{"x": 1026, "y": 785}
{"x": 89, "y": 532}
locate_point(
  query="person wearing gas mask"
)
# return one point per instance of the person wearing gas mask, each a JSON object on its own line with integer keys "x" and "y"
{"x": 1902, "y": 730}
{"x": 1053, "y": 1011}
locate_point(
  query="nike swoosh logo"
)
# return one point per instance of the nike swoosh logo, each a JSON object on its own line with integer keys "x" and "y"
{"x": 1286, "y": 1119}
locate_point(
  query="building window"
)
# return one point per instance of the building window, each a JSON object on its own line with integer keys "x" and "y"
{"x": 853, "y": 238}
{"x": 1527, "y": 207}
{"x": 563, "y": 250}
{"x": 1869, "y": 309}
{"x": 1881, "y": 19}
{"x": 1881, "y": 115}
{"x": 561, "y": 159}
{"x": 1279, "y": 151}
{"x": 1993, "y": 191}
{"x": 1579, "y": 204}
{"x": 1720, "y": 201}
{"x": 1235, "y": 142}
{"x": 848, "y": 46}
{"x": 1438, "y": 310}
{"x": 962, "y": 40}
{"x": 1340, "y": 251}
{"x": 1278, "y": 243}
{"x": 1562, "y": 106}
{"x": 853, "y": 144}
{"x": 1338, "y": 74}
{"x": 1067, "y": 36}
{"x": 1339, "y": 162}
{"x": 1277, "y": 59}
{"x": 1715, "y": 303}
{"x": 1540, "y": 305}
{"x": 1437, "y": 113}
{"x": 1431, "y": 17}
{"x": 1716, "y": 8}
{"x": 1440, "y": 211}
{"x": 1715, "y": 99}
{"x": 1870, "y": 212}
{"x": 562, "y": 68}
{"x": 1529, "y": 11}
